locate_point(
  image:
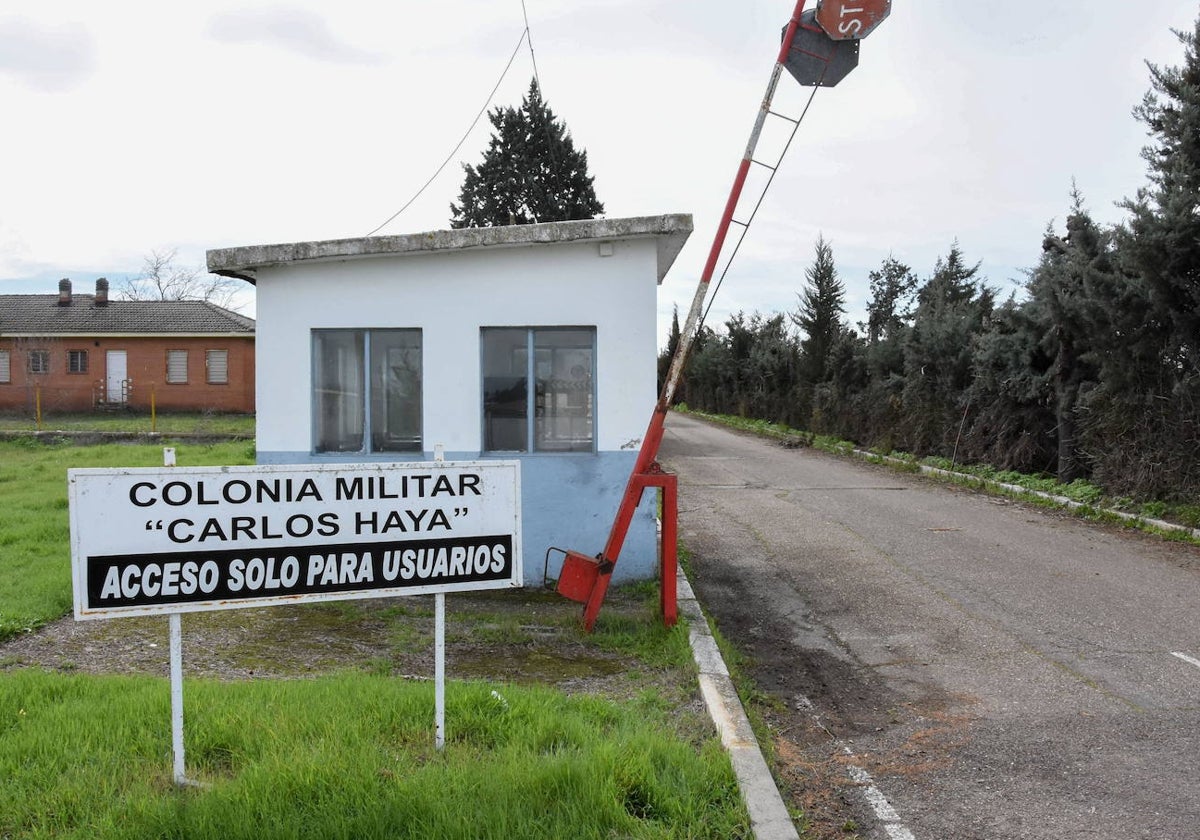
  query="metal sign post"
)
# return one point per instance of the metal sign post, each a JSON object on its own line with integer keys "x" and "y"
{"x": 175, "y": 540}
{"x": 439, "y": 650}
{"x": 439, "y": 671}
{"x": 175, "y": 636}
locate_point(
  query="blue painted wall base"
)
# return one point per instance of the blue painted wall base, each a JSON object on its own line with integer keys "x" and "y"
{"x": 567, "y": 501}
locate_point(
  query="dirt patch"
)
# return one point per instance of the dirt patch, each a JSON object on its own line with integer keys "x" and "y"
{"x": 518, "y": 637}
{"x": 811, "y": 699}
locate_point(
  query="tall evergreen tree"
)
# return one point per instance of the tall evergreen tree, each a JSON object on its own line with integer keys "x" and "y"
{"x": 668, "y": 355}
{"x": 1164, "y": 228}
{"x": 952, "y": 308}
{"x": 888, "y": 310}
{"x": 819, "y": 315}
{"x": 1070, "y": 300}
{"x": 531, "y": 172}
{"x": 1143, "y": 418}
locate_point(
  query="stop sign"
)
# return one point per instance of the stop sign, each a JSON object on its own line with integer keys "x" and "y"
{"x": 846, "y": 20}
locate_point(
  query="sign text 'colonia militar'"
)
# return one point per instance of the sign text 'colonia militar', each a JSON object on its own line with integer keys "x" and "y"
{"x": 149, "y": 541}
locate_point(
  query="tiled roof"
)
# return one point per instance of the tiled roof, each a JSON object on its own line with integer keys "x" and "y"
{"x": 41, "y": 315}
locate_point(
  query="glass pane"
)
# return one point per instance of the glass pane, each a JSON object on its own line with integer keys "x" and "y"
{"x": 338, "y": 390}
{"x": 564, "y": 389}
{"x": 505, "y": 390}
{"x": 395, "y": 390}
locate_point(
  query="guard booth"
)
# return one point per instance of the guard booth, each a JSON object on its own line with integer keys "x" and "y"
{"x": 528, "y": 342}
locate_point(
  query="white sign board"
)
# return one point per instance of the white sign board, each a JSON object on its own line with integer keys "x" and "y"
{"x": 154, "y": 541}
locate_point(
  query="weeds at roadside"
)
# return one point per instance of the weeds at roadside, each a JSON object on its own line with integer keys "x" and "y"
{"x": 1092, "y": 502}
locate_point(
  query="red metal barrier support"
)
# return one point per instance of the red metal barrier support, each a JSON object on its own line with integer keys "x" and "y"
{"x": 668, "y": 556}
{"x": 646, "y": 470}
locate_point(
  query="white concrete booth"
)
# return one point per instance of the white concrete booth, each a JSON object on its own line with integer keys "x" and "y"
{"x": 529, "y": 342}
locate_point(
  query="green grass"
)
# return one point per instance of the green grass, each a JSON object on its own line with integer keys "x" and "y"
{"x": 203, "y": 423}
{"x": 35, "y": 552}
{"x": 350, "y": 756}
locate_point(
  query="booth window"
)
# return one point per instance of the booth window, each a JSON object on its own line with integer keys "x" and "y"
{"x": 216, "y": 362}
{"x": 77, "y": 361}
{"x": 177, "y": 367}
{"x": 367, "y": 390}
{"x": 39, "y": 361}
{"x": 5, "y": 367}
{"x": 560, "y": 361}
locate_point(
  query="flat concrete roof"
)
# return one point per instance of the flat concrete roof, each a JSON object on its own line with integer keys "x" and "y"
{"x": 671, "y": 232}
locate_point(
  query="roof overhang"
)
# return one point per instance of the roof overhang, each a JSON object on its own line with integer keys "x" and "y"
{"x": 89, "y": 335}
{"x": 670, "y": 232}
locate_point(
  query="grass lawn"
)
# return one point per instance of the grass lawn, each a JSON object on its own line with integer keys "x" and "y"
{"x": 133, "y": 422}
{"x": 35, "y": 549}
{"x": 347, "y": 753}
{"x": 350, "y": 756}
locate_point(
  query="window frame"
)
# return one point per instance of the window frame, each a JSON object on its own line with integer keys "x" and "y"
{"x": 38, "y": 368}
{"x": 167, "y": 376}
{"x": 534, "y": 444}
{"x": 72, "y": 357}
{"x": 208, "y": 367}
{"x": 373, "y": 348}
{"x": 5, "y": 367}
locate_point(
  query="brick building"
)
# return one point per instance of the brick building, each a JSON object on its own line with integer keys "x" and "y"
{"x": 83, "y": 352}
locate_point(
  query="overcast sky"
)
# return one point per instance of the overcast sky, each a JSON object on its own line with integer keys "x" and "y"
{"x": 139, "y": 126}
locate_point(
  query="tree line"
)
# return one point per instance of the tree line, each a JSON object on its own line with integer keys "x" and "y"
{"x": 1093, "y": 372}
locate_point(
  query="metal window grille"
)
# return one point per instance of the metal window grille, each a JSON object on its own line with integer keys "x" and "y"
{"x": 77, "y": 361}
{"x": 39, "y": 361}
{"x": 5, "y": 367}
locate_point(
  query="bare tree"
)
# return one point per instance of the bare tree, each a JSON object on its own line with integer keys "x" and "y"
{"x": 161, "y": 278}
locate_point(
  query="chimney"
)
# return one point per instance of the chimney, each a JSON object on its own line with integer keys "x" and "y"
{"x": 102, "y": 292}
{"x": 64, "y": 292}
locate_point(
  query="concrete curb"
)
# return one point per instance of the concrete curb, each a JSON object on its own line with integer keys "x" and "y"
{"x": 769, "y": 817}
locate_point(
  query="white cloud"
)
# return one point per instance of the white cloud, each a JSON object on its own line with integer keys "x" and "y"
{"x": 290, "y": 28}
{"x": 46, "y": 58}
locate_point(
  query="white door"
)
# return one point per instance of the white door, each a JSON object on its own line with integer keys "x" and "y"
{"x": 117, "y": 373}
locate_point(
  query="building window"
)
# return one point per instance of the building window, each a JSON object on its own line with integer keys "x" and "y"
{"x": 216, "y": 363}
{"x": 367, "y": 390}
{"x": 5, "y": 367}
{"x": 561, "y": 362}
{"x": 177, "y": 367}
{"x": 77, "y": 361}
{"x": 39, "y": 361}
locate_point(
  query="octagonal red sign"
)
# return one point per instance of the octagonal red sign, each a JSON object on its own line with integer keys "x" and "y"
{"x": 846, "y": 20}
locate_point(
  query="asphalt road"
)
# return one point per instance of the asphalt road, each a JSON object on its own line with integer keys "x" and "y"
{"x": 1001, "y": 671}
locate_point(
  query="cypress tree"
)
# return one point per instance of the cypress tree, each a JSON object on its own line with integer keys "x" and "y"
{"x": 819, "y": 315}
{"x": 531, "y": 172}
{"x": 1164, "y": 229}
{"x": 952, "y": 308}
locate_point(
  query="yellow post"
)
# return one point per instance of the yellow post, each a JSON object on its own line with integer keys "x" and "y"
{"x": 37, "y": 395}
{"x": 153, "y": 415}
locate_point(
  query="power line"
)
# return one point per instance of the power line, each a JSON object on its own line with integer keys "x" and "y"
{"x": 474, "y": 122}
{"x": 532, "y": 57}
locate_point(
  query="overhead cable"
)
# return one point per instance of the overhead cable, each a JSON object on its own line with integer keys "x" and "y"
{"x": 474, "y": 122}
